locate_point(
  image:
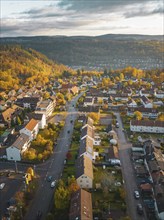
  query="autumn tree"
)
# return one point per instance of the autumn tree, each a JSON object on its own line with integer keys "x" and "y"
{"x": 61, "y": 197}
{"x": 69, "y": 155}
{"x": 138, "y": 115}
{"x": 18, "y": 120}
{"x": 30, "y": 170}
{"x": 94, "y": 116}
{"x": 72, "y": 184}
{"x": 60, "y": 98}
{"x": 19, "y": 196}
{"x": 161, "y": 117}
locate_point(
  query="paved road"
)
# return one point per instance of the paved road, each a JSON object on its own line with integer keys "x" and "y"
{"x": 54, "y": 167}
{"x": 128, "y": 172}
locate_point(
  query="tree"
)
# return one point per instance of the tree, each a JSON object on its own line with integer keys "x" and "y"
{"x": 30, "y": 171}
{"x": 138, "y": 115}
{"x": 30, "y": 154}
{"x": 18, "y": 121}
{"x": 121, "y": 76}
{"x": 72, "y": 184}
{"x": 46, "y": 95}
{"x": 19, "y": 196}
{"x": 94, "y": 116}
{"x": 69, "y": 155}
{"x": 161, "y": 117}
{"x": 62, "y": 196}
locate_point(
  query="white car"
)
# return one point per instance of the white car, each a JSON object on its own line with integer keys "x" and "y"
{"x": 2, "y": 185}
{"x": 136, "y": 194}
{"x": 53, "y": 183}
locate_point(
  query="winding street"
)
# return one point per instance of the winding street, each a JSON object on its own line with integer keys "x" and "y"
{"x": 128, "y": 173}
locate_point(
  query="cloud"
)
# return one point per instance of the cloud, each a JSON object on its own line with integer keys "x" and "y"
{"x": 83, "y": 16}
{"x": 103, "y": 5}
{"x": 144, "y": 10}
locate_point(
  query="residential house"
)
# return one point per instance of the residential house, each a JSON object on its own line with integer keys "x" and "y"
{"x": 131, "y": 103}
{"x": 28, "y": 102}
{"x": 5, "y": 136}
{"x": 41, "y": 118}
{"x": 147, "y": 126}
{"x": 14, "y": 152}
{"x": 86, "y": 147}
{"x": 88, "y": 101}
{"x": 74, "y": 90}
{"x": 120, "y": 97}
{"x": 87, "y": 131}
{"x": 146, "y": 92}
{"x": 84, "y": 172}
{"x": 86, "y": 109}
{"x": 69, "y": 88}
{"x": 3, "y": 105}
{"x": 159, "y": 94}
{"x": 31, "y": 129}
{"x": 158, "y": 103}
{"x": 146, "y": 112}
{"x": 81, "y": 206}
{"x": 45, "y": 107}
{"x": 82, "y": 118}
{"x": 12, "y": 93}
{"x": 89, "y": 121}
{"x": 10, "y": 115}
{"x": 146, "y": 102}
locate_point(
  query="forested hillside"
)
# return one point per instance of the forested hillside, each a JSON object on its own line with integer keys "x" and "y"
{"x": 20, "y": 66}
{"x": 107, "y": 51}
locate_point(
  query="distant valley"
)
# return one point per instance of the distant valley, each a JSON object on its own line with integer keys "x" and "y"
{"x": 107, "y": 51}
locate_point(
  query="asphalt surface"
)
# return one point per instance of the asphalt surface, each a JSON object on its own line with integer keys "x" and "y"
{"x": 44, "y": 196}
{"x": 52, "y": 167}
{"x": 128, "y": 173}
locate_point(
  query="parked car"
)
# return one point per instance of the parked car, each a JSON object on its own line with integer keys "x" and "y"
{"x": 2, "y": 185}
{"x": 49, "y": 178}
{"x": 116, "y": 162}
{"x": 139, "y": 209}
{"x": 136, "y": 194}
{"x": 53, "y": 184}
{"x": 39, "y": 214}
{"x": 68, "y": 131}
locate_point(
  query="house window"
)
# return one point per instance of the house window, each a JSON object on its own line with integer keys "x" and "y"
{"x": 11, "y": 158}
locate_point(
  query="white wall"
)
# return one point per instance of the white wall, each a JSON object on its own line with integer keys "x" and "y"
{"x": 146, "y": 129}
{"x": 13, "y": 154}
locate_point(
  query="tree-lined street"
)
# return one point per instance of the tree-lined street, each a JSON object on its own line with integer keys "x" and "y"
{"x": 128, "y": 172}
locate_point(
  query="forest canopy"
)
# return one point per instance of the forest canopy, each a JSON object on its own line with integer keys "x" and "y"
{"x": 20, "y": 66}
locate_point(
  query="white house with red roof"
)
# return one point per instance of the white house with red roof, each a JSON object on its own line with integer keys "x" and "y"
{"x": 31, "y": 129}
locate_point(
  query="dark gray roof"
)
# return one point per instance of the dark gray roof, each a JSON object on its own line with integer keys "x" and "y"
{"x": 84, "y": 167}
{"x": 85, "y": 145}
{"x": 35, "y": 116}
{"x": 87, "y": 131}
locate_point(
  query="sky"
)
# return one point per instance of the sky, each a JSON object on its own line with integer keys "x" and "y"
{"x": 81, "y": 17}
